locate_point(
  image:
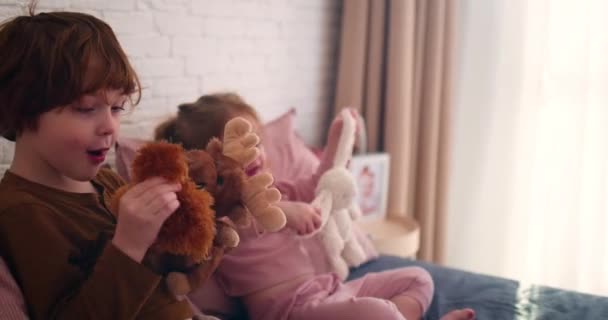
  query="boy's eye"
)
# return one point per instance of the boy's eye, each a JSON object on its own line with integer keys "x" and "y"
{"x": 85, "y": 109}
{"x": 118, "y": 109}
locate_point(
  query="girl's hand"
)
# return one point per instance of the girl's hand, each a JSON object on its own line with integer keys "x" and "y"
{"x": 141, "y": 213}
{"x": 301, "y": 216}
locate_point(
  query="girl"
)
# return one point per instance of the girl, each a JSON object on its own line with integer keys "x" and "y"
{"x": 272, "y": 272}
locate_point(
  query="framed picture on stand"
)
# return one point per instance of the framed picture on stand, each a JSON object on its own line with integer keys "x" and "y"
{"x": 371, "y": 172}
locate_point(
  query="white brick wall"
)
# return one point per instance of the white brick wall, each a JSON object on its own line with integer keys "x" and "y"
{"x": 276, "y": 53}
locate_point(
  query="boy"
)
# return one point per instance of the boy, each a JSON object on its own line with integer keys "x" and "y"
{"x": 64, "y": 81}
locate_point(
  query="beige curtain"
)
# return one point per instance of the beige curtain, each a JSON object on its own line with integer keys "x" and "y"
{"x": 394, "y": 65}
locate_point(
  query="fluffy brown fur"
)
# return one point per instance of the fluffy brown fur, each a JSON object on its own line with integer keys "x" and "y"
{"x": 191, "y": 229}
{"x": 228, "y": 187}
{"x": 222, "y": 177}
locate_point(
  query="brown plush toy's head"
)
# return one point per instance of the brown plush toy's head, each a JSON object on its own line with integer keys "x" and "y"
{"x": 202, "y": 169}
{"x": 189, "y": 232}
{"x": 228, "y": 187}
{"x": 160, "y": 159}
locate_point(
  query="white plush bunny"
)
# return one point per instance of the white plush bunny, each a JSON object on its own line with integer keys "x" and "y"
{"x": 335, "y": 196}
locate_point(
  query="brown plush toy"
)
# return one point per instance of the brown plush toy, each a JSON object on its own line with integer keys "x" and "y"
{"x": 192, "y": 239}
{"x": 224, "y": 179}
{"x": 214, "y": 187}
{"x": 237, "y": 197}
{"x": 187, "y": 236}
{"x": 258, "y": 196}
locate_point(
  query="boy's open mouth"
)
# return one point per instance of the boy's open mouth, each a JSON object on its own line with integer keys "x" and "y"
{"x": 97, "y": 155}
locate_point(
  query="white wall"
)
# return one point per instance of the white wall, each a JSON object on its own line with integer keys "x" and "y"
{"x": 276, "y": 53}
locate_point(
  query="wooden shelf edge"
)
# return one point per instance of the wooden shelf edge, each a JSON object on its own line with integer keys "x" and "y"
{"x": 398, "y": 236}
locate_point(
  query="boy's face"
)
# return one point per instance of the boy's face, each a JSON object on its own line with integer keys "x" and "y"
{"x": 72, "y": 141}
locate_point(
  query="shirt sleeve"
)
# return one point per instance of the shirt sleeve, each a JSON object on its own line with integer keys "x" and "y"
{"x": 303, "y": 189}
{"x": 12, "y": 306}
{"x": 39, "y": 252}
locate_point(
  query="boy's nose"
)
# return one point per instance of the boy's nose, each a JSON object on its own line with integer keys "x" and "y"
{"x": 107, "y": 125}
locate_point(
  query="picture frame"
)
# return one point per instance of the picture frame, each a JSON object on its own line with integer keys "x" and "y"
{"x": 371, "y": 172}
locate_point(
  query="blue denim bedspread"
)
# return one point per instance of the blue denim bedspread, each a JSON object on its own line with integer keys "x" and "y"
{"x": 495, "y": 298}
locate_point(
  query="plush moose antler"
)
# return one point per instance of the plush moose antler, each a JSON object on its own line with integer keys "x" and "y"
{"x": 258, "y": 195}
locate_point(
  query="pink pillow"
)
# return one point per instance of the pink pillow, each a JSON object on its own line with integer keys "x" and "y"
{"x": 126, "y": 149}
{"x": 288, "y": 156}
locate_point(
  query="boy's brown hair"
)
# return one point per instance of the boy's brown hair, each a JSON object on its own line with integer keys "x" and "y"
{"x": 196, "y": 123}
{"x": 45, "y": 59}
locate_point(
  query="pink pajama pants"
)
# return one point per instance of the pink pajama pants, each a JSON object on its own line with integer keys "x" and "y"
{"x": 365, "y": 298}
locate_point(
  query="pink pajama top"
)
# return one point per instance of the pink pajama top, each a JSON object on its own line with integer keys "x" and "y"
{"x": 263, "y": 260}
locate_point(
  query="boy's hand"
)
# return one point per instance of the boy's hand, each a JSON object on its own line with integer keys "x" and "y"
{"x": 142, "y": 211}
{"x": 301, "y": 216}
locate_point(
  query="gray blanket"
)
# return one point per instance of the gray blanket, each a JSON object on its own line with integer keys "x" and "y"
{"x": 496, "y": 298}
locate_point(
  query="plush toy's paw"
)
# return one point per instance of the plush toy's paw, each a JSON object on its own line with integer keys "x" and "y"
{"x": 178, "y": 283}
{"x": 340, "y": 267}
{"x": 353, "y": 253}
{"x": 183, "y": 283}
{"x": 226, "y": 235}
{"x": 240, "y": 141}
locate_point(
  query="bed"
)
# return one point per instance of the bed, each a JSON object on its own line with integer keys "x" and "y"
{"x": 492, "y": 298}
{"x": 495, "y": 298}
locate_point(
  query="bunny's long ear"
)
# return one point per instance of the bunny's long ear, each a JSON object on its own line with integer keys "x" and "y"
{"x": 347, "y": 139}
